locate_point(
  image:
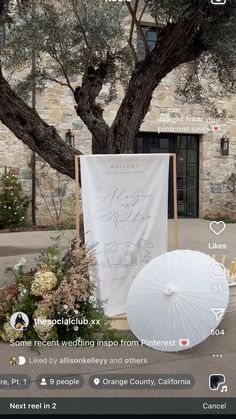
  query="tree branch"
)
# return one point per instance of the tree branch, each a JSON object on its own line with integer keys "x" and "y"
{"x": 87, "y": 109}
{"x": 40, "y": 137}
{"x": 178, "y": 43}
{"x": 130, "y": 41}
{"x": 68, "y": 83}
{"x": 142, "y": 12}
{"x": 138, "y": 25}
{"x": 57, "y": 81}
{"x": 83, "y": 31}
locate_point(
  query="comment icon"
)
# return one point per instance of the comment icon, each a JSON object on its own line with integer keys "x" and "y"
{"x": 217, "y": 271}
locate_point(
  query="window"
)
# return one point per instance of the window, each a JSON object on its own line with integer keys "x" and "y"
{"x": 186, "y": 148}
{"x": 151, "y": 36}
{"x": 2, "y": 36}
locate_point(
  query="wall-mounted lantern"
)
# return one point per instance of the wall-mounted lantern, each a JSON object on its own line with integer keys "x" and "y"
{"x": 224, "y": 145}
{"x": 70, "y": 138}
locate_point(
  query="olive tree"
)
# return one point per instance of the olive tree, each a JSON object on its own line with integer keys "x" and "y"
{"x": 87, "y": 45}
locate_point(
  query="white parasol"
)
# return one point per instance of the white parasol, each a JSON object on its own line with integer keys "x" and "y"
{"x": 176, "y": 300}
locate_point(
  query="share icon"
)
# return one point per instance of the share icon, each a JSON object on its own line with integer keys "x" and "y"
{"x": 218, "y": 312}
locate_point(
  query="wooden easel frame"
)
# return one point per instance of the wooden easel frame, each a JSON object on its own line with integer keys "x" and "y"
{"x": 175, "y": 208}
{"x": 77, "y": 199}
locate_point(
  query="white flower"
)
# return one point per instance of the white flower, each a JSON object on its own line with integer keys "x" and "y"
{"x": 44, "y": 281}
{"x": 92, "y": 299}
{"x": 9, "y": 207}
{"x": 65, "y": 307}
{"x": 76, "y": 328}
{"x": 76, "y": 312}
{"x": 21, "y": 262}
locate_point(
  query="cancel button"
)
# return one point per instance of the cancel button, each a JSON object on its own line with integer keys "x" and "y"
{"x": 214, "y": 406}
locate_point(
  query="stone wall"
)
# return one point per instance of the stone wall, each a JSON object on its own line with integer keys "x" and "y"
{"x": 168, "y": 113}
{"x": 55, "y": 105}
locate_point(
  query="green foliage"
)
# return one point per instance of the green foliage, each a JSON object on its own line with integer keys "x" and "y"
{"x": 66, "y": 38}
{"x": 27, "y": 303}
{"x": 17, "y": 271}
{"x": 52, "y": 258}
{"x": 4, "y": 17}
{"x": 113, "y": 335}
{"x": 13, "y": 204}
{"x": 166, "y": 11}
{"x": 212, "y": 74}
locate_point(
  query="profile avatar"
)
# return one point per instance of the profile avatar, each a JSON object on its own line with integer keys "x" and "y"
{"x": 19, "y": 321}
{"x": 216, "y": 381}
{"x": 17, "y": 360}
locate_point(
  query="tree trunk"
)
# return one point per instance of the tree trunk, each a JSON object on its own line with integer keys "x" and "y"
{"x": 133, "y": 109}
{"x": 40, "y": 137}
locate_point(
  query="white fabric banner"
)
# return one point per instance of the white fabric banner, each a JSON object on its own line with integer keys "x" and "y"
{"x": 125, "y": 206}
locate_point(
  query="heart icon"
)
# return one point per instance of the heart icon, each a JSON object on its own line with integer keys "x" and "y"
{"x": 217, "y": 227}
{"x": 184, "y": 342}
{"x": 216, "y": 128}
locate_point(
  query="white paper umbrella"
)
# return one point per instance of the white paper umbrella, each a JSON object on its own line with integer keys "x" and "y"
{"x": 176, "y": 300}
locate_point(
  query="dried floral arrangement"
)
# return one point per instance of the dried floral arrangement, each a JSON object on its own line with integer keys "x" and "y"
{"x": 59, "y": 290}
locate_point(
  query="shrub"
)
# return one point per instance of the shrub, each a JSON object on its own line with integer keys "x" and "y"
{"x": 13, "y": 204}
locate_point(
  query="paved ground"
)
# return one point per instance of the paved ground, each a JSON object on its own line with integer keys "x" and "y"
{"x": 193, "y": 234}
{"x": 13, "y": 246}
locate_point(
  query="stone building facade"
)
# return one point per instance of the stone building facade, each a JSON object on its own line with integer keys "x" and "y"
{"x": 188, "y": 130}
{"x": 171, "y": 125}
